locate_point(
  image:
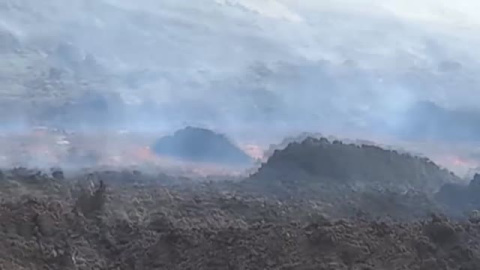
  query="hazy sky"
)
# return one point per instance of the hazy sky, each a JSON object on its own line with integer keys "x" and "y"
{"x": 402, "y": 68}
{"x": 412, "y": 50}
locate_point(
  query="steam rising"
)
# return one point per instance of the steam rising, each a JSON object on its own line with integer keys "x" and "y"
{"x": 256, "y": 70}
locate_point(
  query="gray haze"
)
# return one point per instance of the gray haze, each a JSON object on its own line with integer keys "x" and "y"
{"x": 253, "y": 68}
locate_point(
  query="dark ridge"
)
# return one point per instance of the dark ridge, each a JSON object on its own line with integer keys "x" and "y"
{"x": 359, "y": 166}
{"x": 201, "y": 145}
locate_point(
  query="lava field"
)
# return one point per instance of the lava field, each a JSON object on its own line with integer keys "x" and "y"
{"x": 310, "y": 206}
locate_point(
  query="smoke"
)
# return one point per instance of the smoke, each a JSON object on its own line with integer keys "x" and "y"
{"x": 256, "y": 70}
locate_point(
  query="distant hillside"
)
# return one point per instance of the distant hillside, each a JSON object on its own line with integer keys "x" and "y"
{"x": 201, "y": 145}
{"x": 358, "y": 166}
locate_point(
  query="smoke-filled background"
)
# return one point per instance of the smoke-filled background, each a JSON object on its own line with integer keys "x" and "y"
{"x": 398, "y": 72}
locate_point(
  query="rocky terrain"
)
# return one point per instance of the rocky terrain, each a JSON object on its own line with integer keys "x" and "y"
{"x": 100, "y": 69}
{"x": 133, "y": 220}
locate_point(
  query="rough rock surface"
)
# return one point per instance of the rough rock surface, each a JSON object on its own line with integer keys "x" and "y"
{"x": 127, "y": 220}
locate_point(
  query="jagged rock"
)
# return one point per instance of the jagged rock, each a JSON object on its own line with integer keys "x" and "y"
{"x": 91, "y": 202}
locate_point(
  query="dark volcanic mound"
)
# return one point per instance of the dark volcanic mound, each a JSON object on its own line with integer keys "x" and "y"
{"x": 357, "y": 166}
{"x": 201, "y": 145}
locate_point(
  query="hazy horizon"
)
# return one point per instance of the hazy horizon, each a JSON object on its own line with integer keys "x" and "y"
{"x": 396, "y": 71}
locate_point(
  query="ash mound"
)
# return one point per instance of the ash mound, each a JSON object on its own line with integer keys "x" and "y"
{"x": 201, "y": 145}
{"x": 360, "y": 167}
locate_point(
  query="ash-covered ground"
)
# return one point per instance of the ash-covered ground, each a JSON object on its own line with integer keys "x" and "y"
{"x": 316, "y": 204}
